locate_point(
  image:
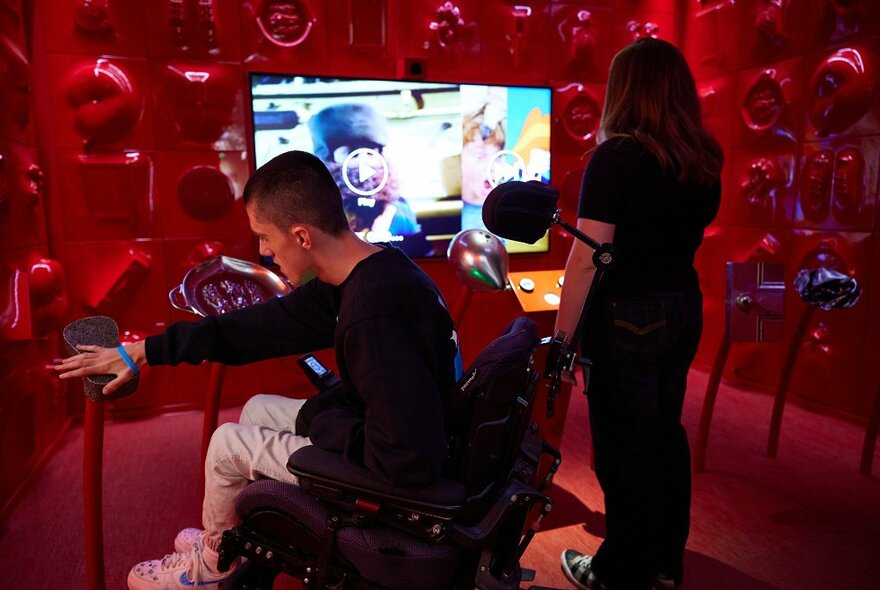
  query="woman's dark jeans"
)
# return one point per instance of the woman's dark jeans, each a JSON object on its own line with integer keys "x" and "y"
{"x": 641, "y": 349}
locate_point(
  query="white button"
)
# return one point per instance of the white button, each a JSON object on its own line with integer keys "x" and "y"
{"x": 551, "y": 298}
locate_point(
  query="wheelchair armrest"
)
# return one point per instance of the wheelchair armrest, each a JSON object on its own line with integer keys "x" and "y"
{"x": 516, "y": 497}
{"x": 326, "y": 475}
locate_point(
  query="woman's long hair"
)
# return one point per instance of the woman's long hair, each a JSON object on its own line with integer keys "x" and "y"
{"x": 651, "y": 97}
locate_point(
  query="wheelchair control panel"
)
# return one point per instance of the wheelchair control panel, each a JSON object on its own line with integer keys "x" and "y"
{"x": 321, "y": 377}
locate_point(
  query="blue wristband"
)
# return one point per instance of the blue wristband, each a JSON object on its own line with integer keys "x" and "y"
{"x": 128, "y": 360}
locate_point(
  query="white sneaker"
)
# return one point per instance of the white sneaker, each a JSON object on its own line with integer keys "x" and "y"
{"x": 185, "y": 539}
{"x": 179, "y": 571}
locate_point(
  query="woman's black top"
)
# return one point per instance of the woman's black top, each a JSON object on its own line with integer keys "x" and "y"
{"x": 659, "y": 220}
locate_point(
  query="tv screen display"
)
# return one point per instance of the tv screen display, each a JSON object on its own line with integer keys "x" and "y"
{"x": 414, "y": 161}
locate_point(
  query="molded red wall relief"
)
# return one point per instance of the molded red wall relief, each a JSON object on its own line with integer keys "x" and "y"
{"x": 48, "y": 296}
{"x": 279, "y": 29}
{"x": 580, "y": 109}
{"x": 93, "y": 27}
{"x": 107, "y": 106}
{"x": 522, "y": 31}
{"x": 100, "y": 103}
{"x": 717, "y": 101}
{"x": 847, "y": 252}
{"x": 22, "y": 192}
{"x": 828, "y": 371}
{"x": 15, "y": 90}
{"x": 449, "y": 34}
{"x": 124, "y": 279}
{"x": 580, "y": 42}
{"x": 763, "y": 187}
{"x": 849, "y": 18}
{"x": 711, "y": 42}
{"x": 368, "y": 35}
{"x": 203, "y": 194}
{"x": 34, "y": 298}
{"x": 837, "y": 184}
{"x": 771, "y": 30}
{"x": 108, "y": 195}
{"x": 194, "y": 29}
{"x": 768, "y": 105}
{"x": 199, "y": 105}
{"x": 843, "y": 88}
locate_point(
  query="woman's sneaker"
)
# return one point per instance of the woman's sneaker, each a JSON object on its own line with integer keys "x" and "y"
{"x": 665, "y": 582}
{"x": 577, "y": 568}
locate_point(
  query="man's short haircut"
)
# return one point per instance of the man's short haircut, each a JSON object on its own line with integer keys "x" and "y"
{"x": 296, "y": 187}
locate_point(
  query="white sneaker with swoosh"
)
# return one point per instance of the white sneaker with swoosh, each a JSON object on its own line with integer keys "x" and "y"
{"x": 179, "y": 571}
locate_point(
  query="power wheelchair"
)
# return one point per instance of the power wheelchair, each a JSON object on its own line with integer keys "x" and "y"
{"x": 343, "y": 528}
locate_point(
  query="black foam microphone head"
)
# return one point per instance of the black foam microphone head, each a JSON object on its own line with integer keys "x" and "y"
{"x": 521, "y": 211}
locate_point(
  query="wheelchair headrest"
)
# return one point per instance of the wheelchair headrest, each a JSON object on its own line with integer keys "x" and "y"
{"x": 510, "y": 350}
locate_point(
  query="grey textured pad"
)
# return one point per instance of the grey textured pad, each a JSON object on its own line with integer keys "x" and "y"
{"x": 99, "y": 331}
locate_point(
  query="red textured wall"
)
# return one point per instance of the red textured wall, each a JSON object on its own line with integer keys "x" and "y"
{"x": 107, "y": 106}
{"x": 790, "y": 87}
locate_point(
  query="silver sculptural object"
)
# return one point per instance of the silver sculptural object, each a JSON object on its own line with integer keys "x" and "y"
{"x": 479, "y": 260}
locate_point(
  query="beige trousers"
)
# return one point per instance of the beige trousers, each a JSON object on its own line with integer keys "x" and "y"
{"x": 255, "y": 448}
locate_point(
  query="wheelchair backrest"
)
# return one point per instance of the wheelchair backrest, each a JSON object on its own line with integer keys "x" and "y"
{"x": 488, "y": 408}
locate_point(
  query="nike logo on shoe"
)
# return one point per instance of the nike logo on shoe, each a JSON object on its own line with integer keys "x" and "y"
{"x": 185, "y": 581}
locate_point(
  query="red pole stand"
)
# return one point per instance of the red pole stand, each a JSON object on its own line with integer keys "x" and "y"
{"x": 461, "y": 304}
{"x": 709, "y": 404}
{"x": 93, "y": 456}
{"x": 785, "y": 378}
{"x": 212, "y": 412}
{"x": 870, "y": 437}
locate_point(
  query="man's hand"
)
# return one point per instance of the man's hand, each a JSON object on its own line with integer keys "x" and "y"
{"x": 97, "y": 360}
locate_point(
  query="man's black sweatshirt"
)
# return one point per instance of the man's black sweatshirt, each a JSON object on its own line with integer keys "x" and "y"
{"x": 396, "y": 351}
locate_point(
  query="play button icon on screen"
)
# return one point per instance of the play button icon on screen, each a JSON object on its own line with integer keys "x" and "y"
{"x": 365, "y": 172}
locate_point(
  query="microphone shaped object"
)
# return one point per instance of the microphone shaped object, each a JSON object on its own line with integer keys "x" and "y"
{"x": 479, "y": 260}
{"x": 521, "y": 211}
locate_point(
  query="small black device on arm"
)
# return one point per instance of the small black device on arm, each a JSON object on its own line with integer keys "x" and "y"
{"x": 320, "y": 376}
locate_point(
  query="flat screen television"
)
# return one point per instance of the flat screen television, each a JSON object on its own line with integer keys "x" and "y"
{"x": 414, "y": 161}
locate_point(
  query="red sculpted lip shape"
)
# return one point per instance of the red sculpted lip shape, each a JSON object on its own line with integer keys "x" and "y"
{"x": 842, "y": 90}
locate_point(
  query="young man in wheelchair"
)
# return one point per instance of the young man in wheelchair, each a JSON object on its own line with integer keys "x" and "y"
{"x": 395, "y": 345}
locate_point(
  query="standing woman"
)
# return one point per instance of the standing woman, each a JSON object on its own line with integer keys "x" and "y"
{"x": 651, "y": 188}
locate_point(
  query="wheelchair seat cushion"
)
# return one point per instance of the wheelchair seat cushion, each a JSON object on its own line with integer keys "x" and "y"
{"x": 283, "y": 497}
{"x": 387, "y": 557}
{"x": 312, "y": 463}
